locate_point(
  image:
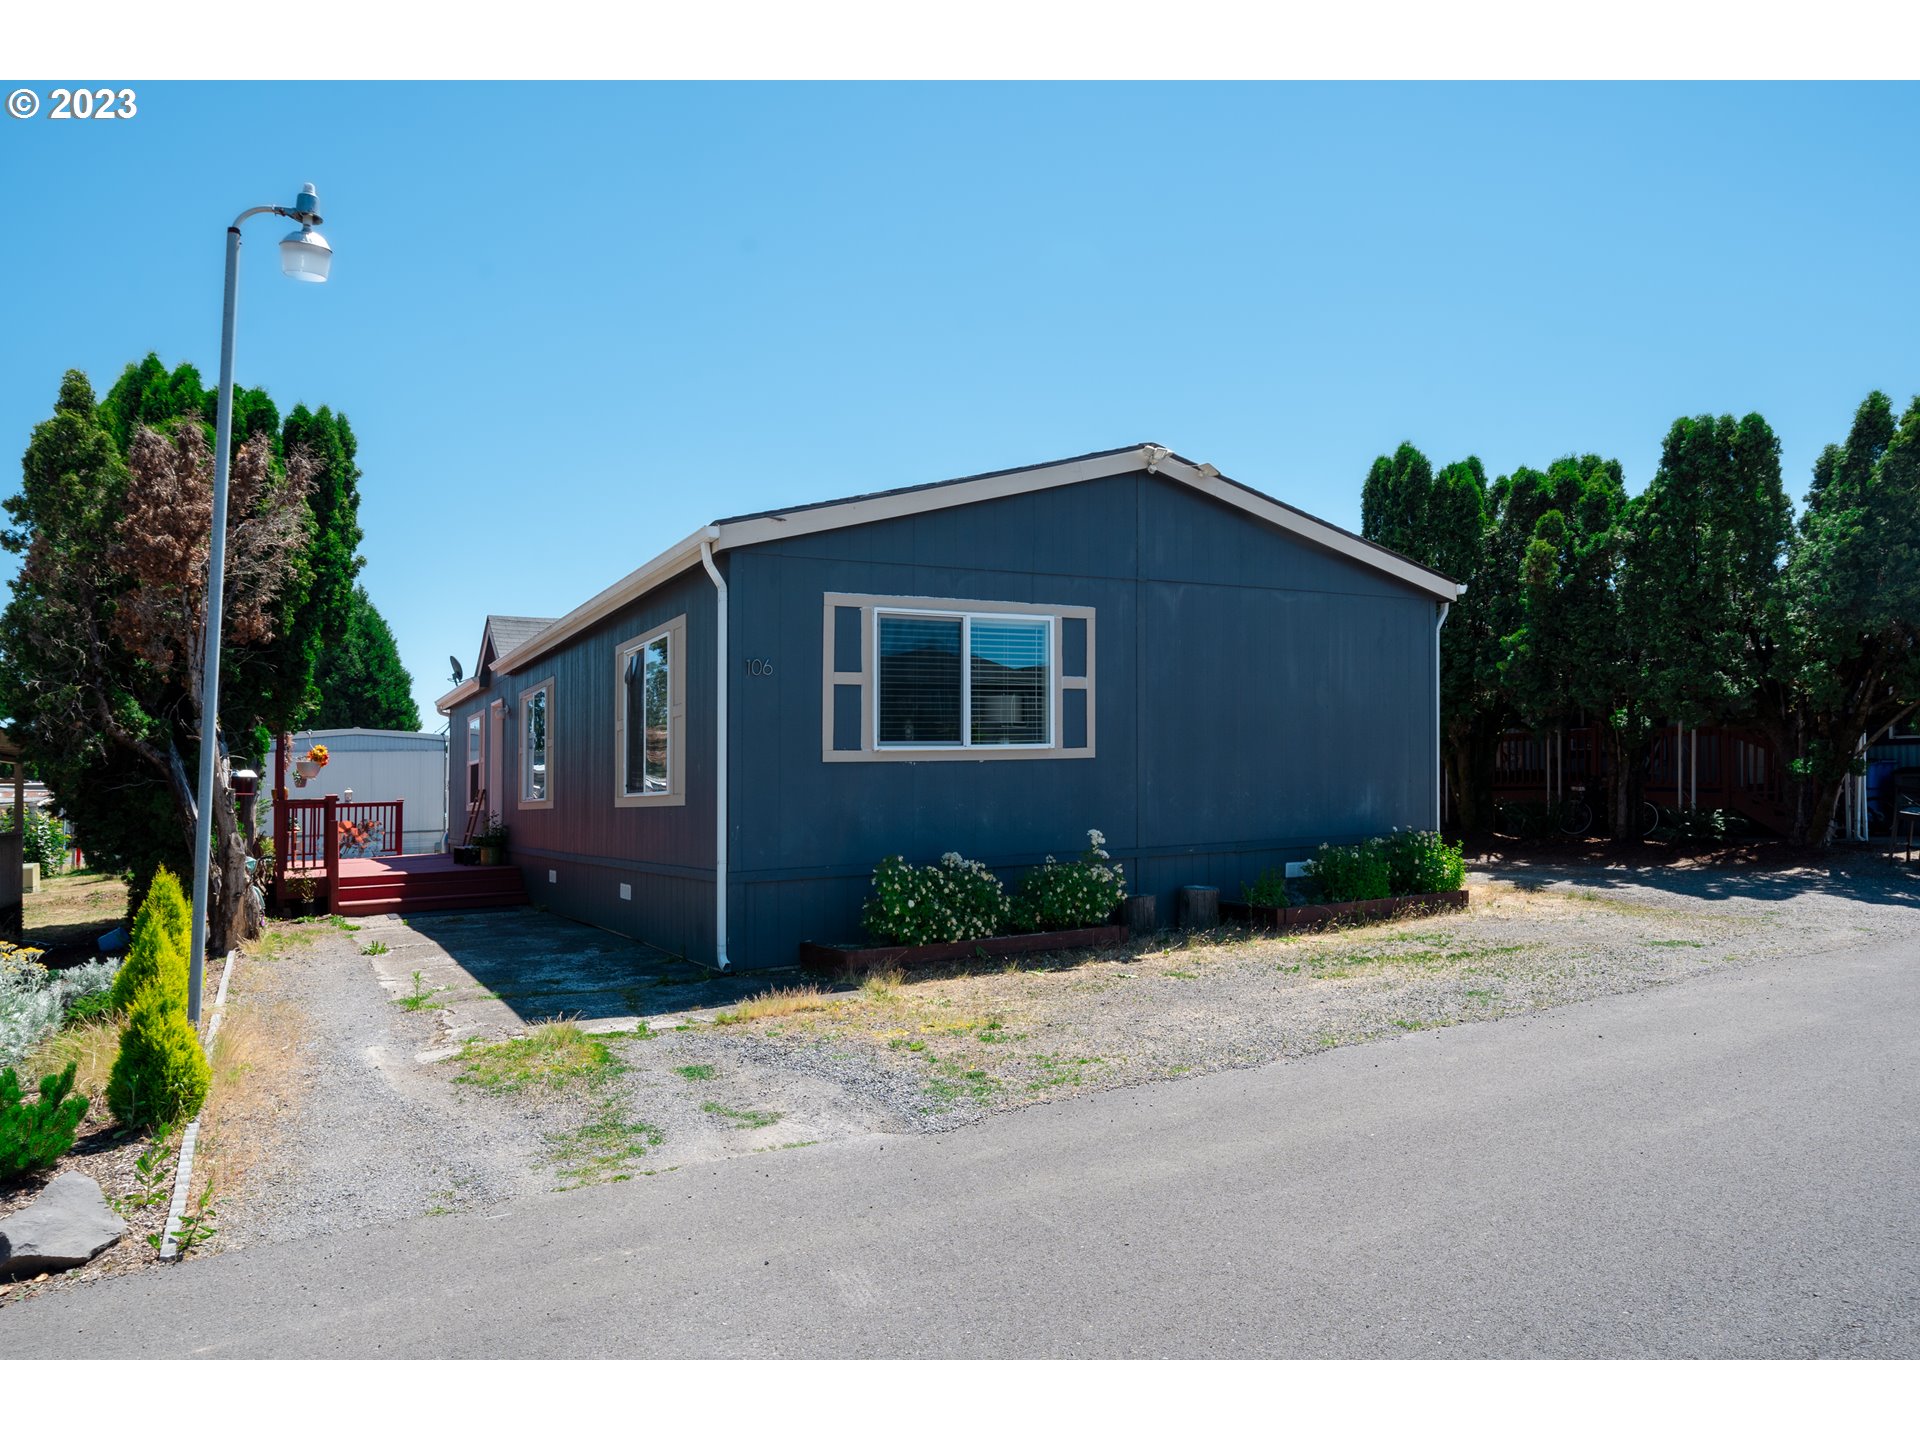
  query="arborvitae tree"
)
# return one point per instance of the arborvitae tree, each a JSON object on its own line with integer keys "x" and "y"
{"x": 361, "y": 680}
{"x": 1578, "y": 650}
{"x": 1395, "y": 501}
{"x": 1441, "y": 520}
{"x": 154, "y": 957}
{"x": 333, "y": 561}
{"x": 1710, "y": 535}
{"x": 161, "y": 1073}
{"x": 1851, "y": 663}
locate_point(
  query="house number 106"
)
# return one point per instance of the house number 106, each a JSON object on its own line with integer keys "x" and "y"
{"x": 758, "y": 667}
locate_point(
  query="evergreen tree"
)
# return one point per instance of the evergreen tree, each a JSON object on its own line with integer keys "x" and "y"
{"x": 361, "y": 680}
{"x": 1441, "y": 520}
{"x": 1850, "y": 666}
{"x": 100, "y": 643}
{"x": 1711, "y": 533}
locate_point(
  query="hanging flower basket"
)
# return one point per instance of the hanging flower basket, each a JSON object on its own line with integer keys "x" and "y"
{"x": 305, "y": 770}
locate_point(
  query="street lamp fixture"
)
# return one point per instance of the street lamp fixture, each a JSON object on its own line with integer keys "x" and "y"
{"x": 304, "y": 255}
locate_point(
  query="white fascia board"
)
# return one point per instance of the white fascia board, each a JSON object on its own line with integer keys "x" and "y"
{"x": 1317, "y": 531}
{"x": 466, "y": 690}
{"x": 760, "y": 529}
{"x": 662, "y": 567}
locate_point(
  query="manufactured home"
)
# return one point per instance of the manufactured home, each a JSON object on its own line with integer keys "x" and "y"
{"x": 712, "y": 754}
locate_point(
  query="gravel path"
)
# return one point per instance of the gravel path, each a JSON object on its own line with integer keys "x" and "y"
{"x": 364, "y": 1129}
{"x": 367, "y": 1134}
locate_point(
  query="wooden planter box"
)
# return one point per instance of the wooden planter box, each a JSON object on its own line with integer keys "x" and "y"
{"x": 1320, "y": 917}
{"x": 851, "y": 959}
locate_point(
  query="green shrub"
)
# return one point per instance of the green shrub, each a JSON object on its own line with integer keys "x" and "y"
{"x": 955, "y": 899}
{"x": 45, "y": 842}
{"x": 165, "y": 894}
{"x": 1070, "y": 896}
{"x": 82, "y": 1008}
{"x": 1419, "y": 862}
{"x": 161, "y": 1073}
{"x": 35, "y": 1133}
{"x": 1269, "y": 891}
{"x": 29, "y": 1001}
{"x": 1352, "y": 872}
{"x": 153, "y": 958}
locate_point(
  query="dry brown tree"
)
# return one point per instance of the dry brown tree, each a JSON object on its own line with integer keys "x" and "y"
{"x": 162, "y": 548}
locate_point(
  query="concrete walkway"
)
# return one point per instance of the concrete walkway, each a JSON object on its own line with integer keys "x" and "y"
{"x": 1723, "y": 1168}
{"x": 493, "y": 973}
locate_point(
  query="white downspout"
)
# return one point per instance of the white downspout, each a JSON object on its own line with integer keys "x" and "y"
{"x": 719, "y": 753}
{"x": 1439, "y": 759}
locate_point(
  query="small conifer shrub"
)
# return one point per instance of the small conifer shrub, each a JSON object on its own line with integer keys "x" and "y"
{"x": 35, "y": 1133}
{"x": 166, "y": 894}
{"x": 153, "y": 958}
{"x": 161, "y": 1074}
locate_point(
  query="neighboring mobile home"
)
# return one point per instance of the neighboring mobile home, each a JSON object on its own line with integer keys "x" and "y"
{"x": 404, "y": 765}
{"x": 1126, "y": 641}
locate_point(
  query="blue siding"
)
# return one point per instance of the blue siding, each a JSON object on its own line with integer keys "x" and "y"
{"x": 1254, "y": 695}
{"x": 590, "y": 846}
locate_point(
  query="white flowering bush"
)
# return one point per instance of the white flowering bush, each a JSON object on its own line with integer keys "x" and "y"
{"x": 957, "y": 899}
{"x": 1072, "y": 895}
{"x": 34, "y": 999}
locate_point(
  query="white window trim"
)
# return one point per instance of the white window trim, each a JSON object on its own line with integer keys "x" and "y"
{"x": 868, "y": 678}
{"x": 966, "y": 619}
{"x": 521, "y": 703}
{"x": 675, "y": 631}
{"x": 476, "y": 777}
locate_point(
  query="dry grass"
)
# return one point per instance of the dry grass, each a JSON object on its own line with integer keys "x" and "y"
{"x": 91, "y": 1047}
{"x": 258, "y": 1073}
{"x": 796, "y": 1000}
{"x": 883, "y": 985}
{"x": 71, "y": 912}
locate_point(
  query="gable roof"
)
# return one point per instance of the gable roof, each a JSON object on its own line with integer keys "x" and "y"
{"x": 501, "y": 634}
{"x": 508, "y": 632}
{"x": 765, "y": 525}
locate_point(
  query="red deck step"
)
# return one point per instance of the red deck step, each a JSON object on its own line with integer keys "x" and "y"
{"x": 403, "y": 884}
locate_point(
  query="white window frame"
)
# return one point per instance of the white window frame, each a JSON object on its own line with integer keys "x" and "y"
{"x": 476, "y": 777}
{"x": 524, "y": 703}
{"x": 674, "y": 631}
{"x": 966, "y": 619}
{"x": 864, "y": 675}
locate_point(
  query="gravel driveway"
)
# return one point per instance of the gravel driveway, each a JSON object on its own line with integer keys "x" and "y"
{"x": 369, "y": 1121}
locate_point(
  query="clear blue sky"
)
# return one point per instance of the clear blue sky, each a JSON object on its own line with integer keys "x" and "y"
{"x": 571, "y": 323}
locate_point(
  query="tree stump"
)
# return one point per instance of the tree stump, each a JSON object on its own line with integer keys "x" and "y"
{"x": 1199, "y": 907}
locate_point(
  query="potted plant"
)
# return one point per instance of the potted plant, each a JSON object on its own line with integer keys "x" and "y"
{"x": 303, "y": 896}
{"x": 492, "y": 842}
{"x": 310, "y": 764}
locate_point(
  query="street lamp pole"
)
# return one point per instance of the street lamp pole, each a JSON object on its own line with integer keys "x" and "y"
{"x": 304, "y": 255}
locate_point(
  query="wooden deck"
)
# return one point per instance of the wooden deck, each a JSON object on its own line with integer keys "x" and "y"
{"x": 405, "y": 884}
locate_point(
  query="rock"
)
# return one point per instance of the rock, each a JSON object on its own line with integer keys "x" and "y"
{"x": 67, "y": 1224}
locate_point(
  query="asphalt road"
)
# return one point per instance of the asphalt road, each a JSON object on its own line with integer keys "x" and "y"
{"x": 1725, "y": 1167}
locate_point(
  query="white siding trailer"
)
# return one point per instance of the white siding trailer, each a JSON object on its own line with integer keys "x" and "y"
{"x": 376, "y": 765}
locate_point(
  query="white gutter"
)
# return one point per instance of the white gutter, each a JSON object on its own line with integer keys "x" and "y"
{"x": 1439, "y": 756}
{"x": 464, "y": 691}
{"x": 719, "y": 751}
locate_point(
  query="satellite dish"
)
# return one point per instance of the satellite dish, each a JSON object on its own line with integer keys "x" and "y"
{"x": 458, "y": 674}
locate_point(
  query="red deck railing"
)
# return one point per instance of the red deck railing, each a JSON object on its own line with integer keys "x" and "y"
{"x": 313, "y": 835}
